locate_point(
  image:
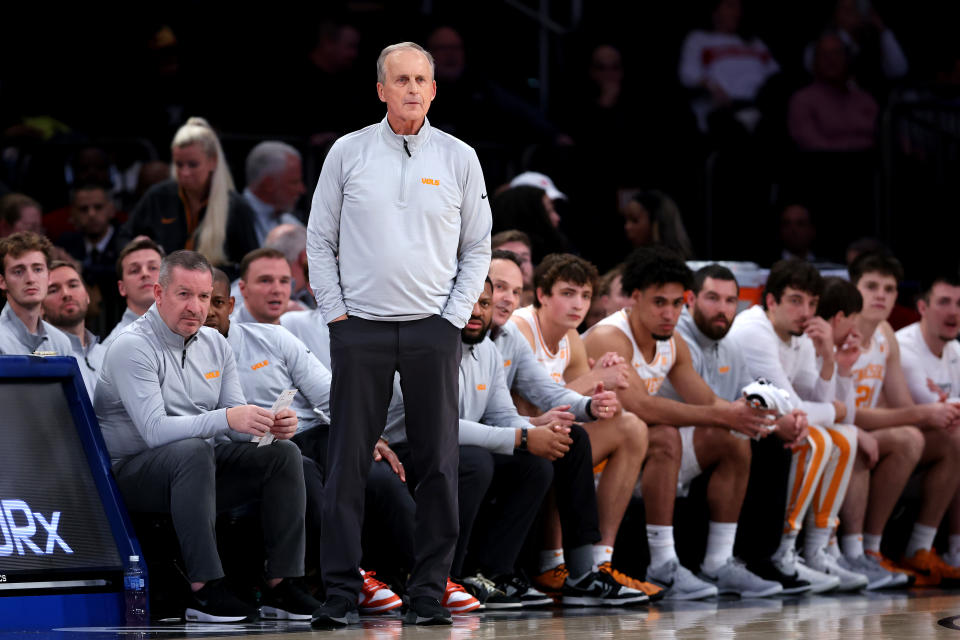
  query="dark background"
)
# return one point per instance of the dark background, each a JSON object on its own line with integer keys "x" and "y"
{"x": 240, "y": 66}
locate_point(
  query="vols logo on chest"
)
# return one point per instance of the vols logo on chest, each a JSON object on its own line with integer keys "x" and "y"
{"x": 260, "y": 365}
{"x": 431, "y": 181}
{"x": 210, "y": 375}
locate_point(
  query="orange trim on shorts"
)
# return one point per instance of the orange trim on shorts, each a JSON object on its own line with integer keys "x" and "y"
{"x": 600, "y": 466}
{"x": 822, "y": 513}
{"x": 818, "y": 446}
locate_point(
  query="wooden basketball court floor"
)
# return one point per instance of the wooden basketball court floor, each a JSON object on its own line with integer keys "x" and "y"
{"x": 916, "y": 614}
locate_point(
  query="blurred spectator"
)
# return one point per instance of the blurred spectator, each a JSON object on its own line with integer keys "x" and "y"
{"x": 19, "y": 212}
{"x": 328, "y": 66}
{"x": 832, "y": 113}
{"x": 274, "y": 185}
{"x": 519, "y": 244}
{"x": 198, "y": 209}
{"x": 95, "y": 245}
{"x": 727, "y": 70}
{"x": 797, "y": 233}
{"x": 876, "y": 56}
{"x": 541, "y": 181}
{"x": 865, "y": 245}
{"x": 529, "y": 209}
{"x": 476, "y": 109}
{"x": 609, "y": 297}
{"x": 652, "y": 217}
{"x": 151, "y": 173}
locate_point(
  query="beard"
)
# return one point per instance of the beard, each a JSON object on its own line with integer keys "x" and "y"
{"x": 66, "y": 319}
{"x": 471, "y": 338}
{"x": 661, "y": 338}
{"x": 707, "y": 326}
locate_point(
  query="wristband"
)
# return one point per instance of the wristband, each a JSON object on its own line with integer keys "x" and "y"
{"x": 590, "y": 409}
{"x": 523, "y": 440}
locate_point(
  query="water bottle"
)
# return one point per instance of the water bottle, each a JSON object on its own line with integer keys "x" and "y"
{"x": 135, "y": 593}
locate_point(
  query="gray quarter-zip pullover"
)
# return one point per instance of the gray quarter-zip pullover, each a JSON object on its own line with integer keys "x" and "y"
{"x": 156, "y": 387}
{"x": 399, "y": 228}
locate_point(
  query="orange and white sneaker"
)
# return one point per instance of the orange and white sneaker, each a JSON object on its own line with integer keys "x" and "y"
{"x": 457, "y": 600}
{"x": 551, "y": 581}
{"x": 931, "y": 570}
{"x": 375, "y": 596}
{"x": 651, "y": 590}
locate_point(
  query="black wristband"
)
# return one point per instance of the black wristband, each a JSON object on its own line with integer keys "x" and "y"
{"x": 523, "y": 440}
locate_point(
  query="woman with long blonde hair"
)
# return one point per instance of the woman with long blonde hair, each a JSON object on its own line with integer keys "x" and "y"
{"x": 198, "y": 208}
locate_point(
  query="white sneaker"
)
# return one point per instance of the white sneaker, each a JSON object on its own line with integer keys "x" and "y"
{"x": 734, "y": 577}
{"x": 790, "y": 564}
{"x": 827, "y": 564}
{"x": 679, "y": 583}
{"x": 878, "y": 577}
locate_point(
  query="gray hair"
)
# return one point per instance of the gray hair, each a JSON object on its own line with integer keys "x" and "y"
{"x": 266, "y": 159}
{"x": 288, "y": 239}
{"x": 381, "y": 71}
{"x": 189, "y": 260}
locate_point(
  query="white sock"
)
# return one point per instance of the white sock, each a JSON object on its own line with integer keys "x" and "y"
{"x": 660, "y": 541}
{"x": 720, "y": 539}
{"x": 788, "y": 541}
{"x": 602, "y": 553}
{"x": 833, "y": 546}
{"x": 921, "y": 538}
{"x": 815, "y": 541}
{"x": 954, "y": 545}
{"x": 852, "y": 545}
{"x": 871, "y": 542}
{"x": 550, "y": 559}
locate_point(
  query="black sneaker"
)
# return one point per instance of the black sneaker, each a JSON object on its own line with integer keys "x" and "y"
{"x": 424, "y": 610}
{"x": 768, "y": 570}
{"x": 490, "y": 595}
{"x": 516, "y": 585}
{"x": 336, "y": 612}
{"x": 599, "y": 589}
{"x": 215, "y": 603}
{"x": 289, "y": 600}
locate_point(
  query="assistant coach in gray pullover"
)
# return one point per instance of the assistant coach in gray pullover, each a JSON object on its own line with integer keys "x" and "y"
{"x": 398, "y": 244}
{"x": 178, "y": 430}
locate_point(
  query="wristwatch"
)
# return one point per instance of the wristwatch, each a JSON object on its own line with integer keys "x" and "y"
{"x": 523, "y": 440}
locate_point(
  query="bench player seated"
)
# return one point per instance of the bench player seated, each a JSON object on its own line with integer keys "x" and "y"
{"x": 178, "y": 431}
{"x": 522, "y": 462}
{"x": 656, "y": 279}
{"x": 896, "y": 436}
{"x": 528, "y": 380}
{"x": 564, "y": 286}
{"x": 931, "y": 364}
{"x": 786, "y": 343}
{"x": 25, "y": 259}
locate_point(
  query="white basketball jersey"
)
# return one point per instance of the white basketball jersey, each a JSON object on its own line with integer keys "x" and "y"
{"x": 556, "y": 362}
{"x": 655, "y": 372}
{"x": 869, "y": 371}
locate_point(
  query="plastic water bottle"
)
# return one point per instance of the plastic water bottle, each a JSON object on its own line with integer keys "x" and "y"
{"x": 135, "y": 593}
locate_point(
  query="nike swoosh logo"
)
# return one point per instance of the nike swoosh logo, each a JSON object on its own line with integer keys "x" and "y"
{"x": 483, "y": 197}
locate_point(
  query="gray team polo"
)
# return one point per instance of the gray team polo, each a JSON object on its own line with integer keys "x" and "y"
{"x": 270, "y": 360}
{"x": 488, "y": 418}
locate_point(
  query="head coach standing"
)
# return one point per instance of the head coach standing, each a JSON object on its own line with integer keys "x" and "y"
{"x": 398, "y": 244}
